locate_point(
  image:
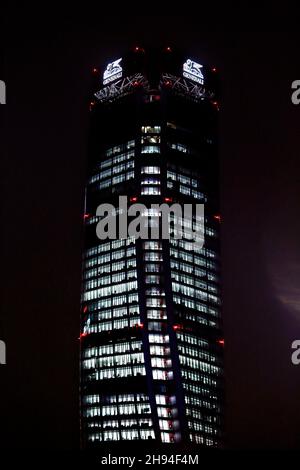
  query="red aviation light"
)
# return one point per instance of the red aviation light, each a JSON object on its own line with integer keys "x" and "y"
{"x": 82, "y": 335}
{"x": 168, "y": 199}
{"x": 86, "y": 216}
{"x": 92, "y": 104}
{"x": 221, "y": 342}
{"x": 177, "y": 327}
{"x": 214, "y": 69}
{"x": 217, "y": 217}
{"x": 95, "y": 70}
{"x": 85, "y": 309}
{"x": 139, "y": 49}
{"x": 133, "y": 199}
{"x": 140, "y": 325}
{"x": 168, "y": 49}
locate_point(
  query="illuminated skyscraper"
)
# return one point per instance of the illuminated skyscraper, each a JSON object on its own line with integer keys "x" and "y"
{"x": 151, "y": 332}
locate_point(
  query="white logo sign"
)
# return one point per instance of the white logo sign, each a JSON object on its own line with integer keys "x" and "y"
{"x": 192, "y": 70}
{"x": 112, "y": 72}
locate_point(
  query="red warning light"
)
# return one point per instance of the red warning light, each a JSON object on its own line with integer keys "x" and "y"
{"x": 177, "y": 327}
{"x": 82, "y": 335}
{"x": 168, "y": 49}
{"x": 168, "y": 199}
{"x": 133, "y": 199}
{"x": 85, "y": 309}
{"x": 221, "y": 342}
{"x": 214, "y": 69}
{"x": 95, "y": 70}
{"x": 217, "y": 217}
{"x": 86, "y": 216}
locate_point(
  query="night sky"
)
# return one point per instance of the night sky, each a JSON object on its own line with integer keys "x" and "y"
{"x": 47, "y": 68}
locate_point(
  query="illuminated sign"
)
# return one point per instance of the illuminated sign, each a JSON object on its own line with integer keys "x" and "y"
{"x": 113, "y": 71}
{"x": 192, "y": 70}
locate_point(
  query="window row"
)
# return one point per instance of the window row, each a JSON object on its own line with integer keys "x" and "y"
{"x": 150, "y": 149}
{"x": 150, "y": 170}
{"x": 199, "y": 439}
{"x": 195, "y": 352}
{"x": 198, "y": 318}
{"x": 199, "y": 415}
{"x": 116, "y": 180}
{"x": 123, "y": 157}
{"x": 114, "y": 301}
{"x": 151, "y": 129}
{"x": 117, "y": 373}
{"x": 179, "y": 147}
{"x": 174, "y": 176}
{"x": 106, "y": 280}
{"x": 112, "y": 361}
{"x": 113, "y": 170}
{"x": 150, "y": 191}
{"x": 193, "y": 304}
{"x": 197, "y": 377}
{"x": 198, "y": 401}
{"x": 120, "y": 148}
{"x": 199, "y": 365}
{"x": 198, "y": 260}
{"x": 115, "y": 410}
{"x": 120, "y": 312}
{"x": 196, "y": 293}
{"x": 111, "y": 349}
{"x": 198, "y": 390}
{"x": 150, "y": 139}
{"x": 193, "y": 281}
{"x": 158, "y": 374}
{"x": 110, "y": 290}
{"x": 117, "y": 254}
{"x": 191, "y": 269}
{"x": 187, "y": 191}
{"x": 107, "y": 268}
{"x": 112, "y": 325}
{"x": 128, "y": 435}
{"x": 108, "y": 246}
{"x": 198, "y": 426}
{"x": 122, "y": 398}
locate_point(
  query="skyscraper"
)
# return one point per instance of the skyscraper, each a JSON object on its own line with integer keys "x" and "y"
{"x": 151, "y": 334}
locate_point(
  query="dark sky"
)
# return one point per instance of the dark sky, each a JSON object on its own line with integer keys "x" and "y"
{"x": 47, "y": 68}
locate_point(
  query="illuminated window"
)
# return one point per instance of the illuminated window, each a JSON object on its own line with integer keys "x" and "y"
{"x": 150, "y": 190}
{"x": 151, "y": 129}
{"x": 150, "y": 139}
{"x": 150, "y": 170}
{"x": 152, "y": 279}
{"x": 179, "y": 147}
{"x": 150, "y": 149}
{"x": 151, "y": 181}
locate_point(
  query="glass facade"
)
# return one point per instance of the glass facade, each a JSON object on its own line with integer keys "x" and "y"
{"x": 151, "y": 347}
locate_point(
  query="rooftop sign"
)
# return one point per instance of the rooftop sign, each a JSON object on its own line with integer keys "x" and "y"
{"x": 112, "y": 72}
{"x": 192, "y": 71}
